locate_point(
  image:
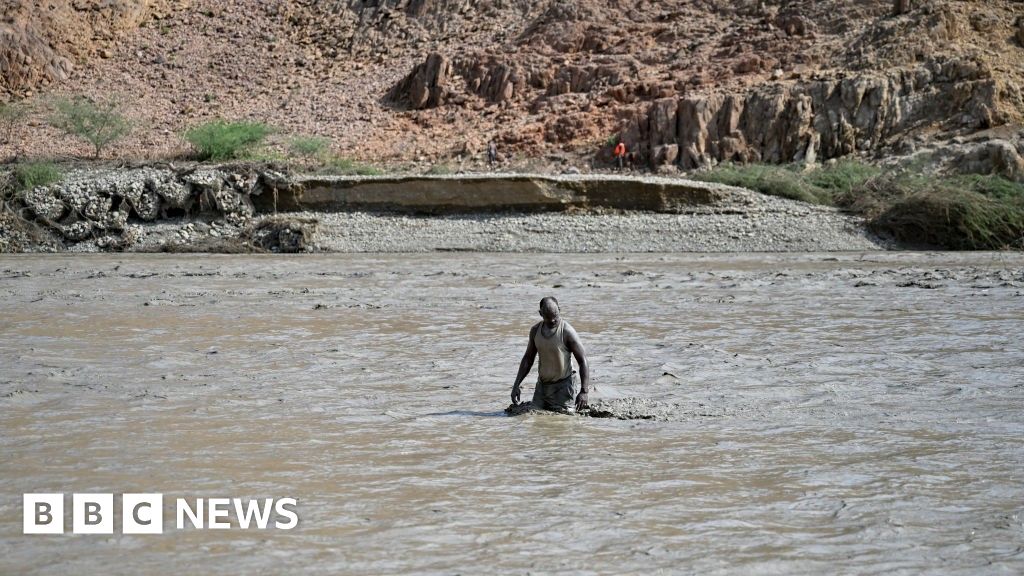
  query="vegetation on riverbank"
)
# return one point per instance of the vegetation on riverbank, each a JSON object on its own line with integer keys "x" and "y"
{"x": 341, "y": 166}
{"x": 820, "y": 186}
{"x": 960, "y": 212}
{"x": 28, "y": 175}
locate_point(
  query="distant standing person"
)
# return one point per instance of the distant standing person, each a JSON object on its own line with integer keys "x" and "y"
{"x": 620, "y": 154}
{"x": 554, "y": 339}
{"x": 492, "y": 153}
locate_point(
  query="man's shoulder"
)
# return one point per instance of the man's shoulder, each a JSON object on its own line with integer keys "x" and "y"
{"x": 568, "y": 332}
{"x": 535, "y": 327}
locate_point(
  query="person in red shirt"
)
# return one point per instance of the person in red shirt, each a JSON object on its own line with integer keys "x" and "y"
{"x": 620, "y": 154}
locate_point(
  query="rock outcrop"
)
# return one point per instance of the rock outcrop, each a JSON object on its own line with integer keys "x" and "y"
{"x": 900, "y": 7}
{"x": 440, "y": 80}
{"x": 1000, "y": 156}
{"x": 820, "y": 119}
{"x": 427, "y": 85}
{"x": 27, "y": 60}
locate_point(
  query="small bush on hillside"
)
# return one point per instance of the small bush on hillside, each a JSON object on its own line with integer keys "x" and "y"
{"x": 100, "y": 124}
{"x": 309, "y": 147}
{"x": 222, "y": 140}
{"x": 440, "y": 170}
{"x": 262, "y": 155}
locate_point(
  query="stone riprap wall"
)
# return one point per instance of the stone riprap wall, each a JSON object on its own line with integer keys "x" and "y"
{"x": 97, "y": 204}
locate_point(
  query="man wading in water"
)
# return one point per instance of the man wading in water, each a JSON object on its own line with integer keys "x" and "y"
{"x": 553, "y": 339}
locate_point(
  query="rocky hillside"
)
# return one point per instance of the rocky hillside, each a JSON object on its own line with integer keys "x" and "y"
{"x": 686, "y": 82}
{"x": 42, "y": 42}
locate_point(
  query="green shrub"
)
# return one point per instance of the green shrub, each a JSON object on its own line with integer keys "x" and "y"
{"x": 842, "y": 176}
{"x": 963, "y": 212}
{"x": 100, "y": 124}
{"x": 262, "y": 155}
{"x": 222, "y": 140}
{"x": 32, "y": 174}
{"x": 963, "y": 220}
{"x": 991, "y": 185}
{"x": 780, "y": 181}
{"x": 309, "y": 147}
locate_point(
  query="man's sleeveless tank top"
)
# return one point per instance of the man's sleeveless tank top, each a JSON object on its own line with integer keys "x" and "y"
{"x": 555, "y": 363}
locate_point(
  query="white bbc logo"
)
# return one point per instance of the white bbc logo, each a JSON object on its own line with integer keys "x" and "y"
{"x": 144, "y": 513}
{"x": 93, "y": 513}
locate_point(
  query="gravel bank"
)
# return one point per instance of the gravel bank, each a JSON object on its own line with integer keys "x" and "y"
{"x": 794, "y": 229}
{"x": 799, "y": 229}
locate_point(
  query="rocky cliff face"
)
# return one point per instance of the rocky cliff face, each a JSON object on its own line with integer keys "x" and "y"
{"x": 819, "y": 119}
{"x": 907, "y": 73}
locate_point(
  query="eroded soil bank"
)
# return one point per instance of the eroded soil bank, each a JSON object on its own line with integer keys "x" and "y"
{"x": 852, "y": 413}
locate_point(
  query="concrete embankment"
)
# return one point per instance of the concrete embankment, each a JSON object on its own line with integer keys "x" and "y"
{"x": 491, "y": 193}
{"x": 242, "y": 208}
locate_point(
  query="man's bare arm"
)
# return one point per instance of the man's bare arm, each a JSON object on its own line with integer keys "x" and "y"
{"x": 525, "y": 365}
{"x": 572, "y": 342}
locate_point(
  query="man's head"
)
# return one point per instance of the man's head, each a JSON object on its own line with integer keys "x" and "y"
{"x": 549, "y": 309}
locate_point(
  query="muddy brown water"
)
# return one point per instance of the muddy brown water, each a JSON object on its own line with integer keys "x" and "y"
{"x": 832, "y": 413}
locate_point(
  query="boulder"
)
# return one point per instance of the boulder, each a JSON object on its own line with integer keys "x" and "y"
{"x": 147, "y": 207}
{"x": 426, "y": 86}
{"x": 666, "y": 155}
{"x": 997, "y": 156}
